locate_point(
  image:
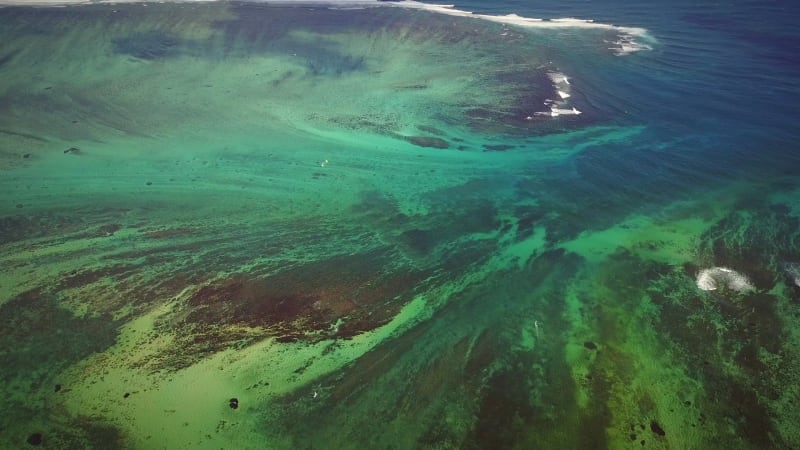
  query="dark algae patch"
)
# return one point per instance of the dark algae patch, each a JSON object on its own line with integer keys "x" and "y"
{"x": 428, "y": 141}
{"x": 498, "y": 147}
{"x": 35, "y": 439}
{"x": 31, "y": 360}
{"x": 340, "y": 297}
{"x": 73, "y": 338}
{"x": 149, "y": 46}
{"x": 736, "y": 344}
{"x": 656, "y": 429}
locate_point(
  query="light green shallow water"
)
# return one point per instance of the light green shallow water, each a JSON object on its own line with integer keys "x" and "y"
{"x": 205, "y": 202}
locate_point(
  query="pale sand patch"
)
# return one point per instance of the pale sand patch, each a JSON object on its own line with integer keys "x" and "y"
{"x": 190, "y": 408}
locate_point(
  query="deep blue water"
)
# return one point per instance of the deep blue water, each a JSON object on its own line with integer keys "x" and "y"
{"x": 719, "y": 93}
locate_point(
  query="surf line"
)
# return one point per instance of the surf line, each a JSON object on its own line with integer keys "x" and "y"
{"x": 632, "y": 39}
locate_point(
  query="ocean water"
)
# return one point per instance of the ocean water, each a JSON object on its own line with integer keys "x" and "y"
{"x": 393, "y": 226}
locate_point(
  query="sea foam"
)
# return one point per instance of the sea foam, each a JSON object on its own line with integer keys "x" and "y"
{"x": 715, "y": 277}
{"x": 560, "y": 106}
{"x": 631, "y": 39}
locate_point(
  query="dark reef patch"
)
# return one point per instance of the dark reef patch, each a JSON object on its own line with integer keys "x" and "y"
{"x": 442, "y": 228}
{"x": 498, "y": 147}
{"x": 8, "y": 57}
{"x": 150, "y": 45}
{"x": 61, "y": 225}
{"x": 35, "y": 439}
{"x": 431, "y": 130}
{"x": 439, "y": 370}
{"x": 170, "y": 233}
{"x": 426, "y": 141}
{"x": 77, "y": 279}
{"x": 422, "y": 241}
{"x": 656, "y": 428}
{"x": 337, "y": 297}
{"x": 527, "y": 218}
{"x": 713, "y": 334}
{"x": 756, "y": 242}
{"x": 84, "y": 432}
{"x": 28, "y": 351}
{"x": 39, "y": 340}
{"x": 504, "y": 410}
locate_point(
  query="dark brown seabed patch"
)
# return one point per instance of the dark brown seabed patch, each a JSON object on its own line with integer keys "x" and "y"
{"x": 39, "y": 339}
{"x": 338, "y": 297}
{"x": 460, "y": 380}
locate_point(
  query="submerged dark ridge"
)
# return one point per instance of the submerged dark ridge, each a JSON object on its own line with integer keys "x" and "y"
{"x": 25, "y": 135}
{"x": 8, "y": 57}
{"x": 498, "y": 379}
{"x": 31, "y": 352}
{"x": 151, "y": 45}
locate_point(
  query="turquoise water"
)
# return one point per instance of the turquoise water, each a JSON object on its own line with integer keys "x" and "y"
{"x": 240, "y": 225}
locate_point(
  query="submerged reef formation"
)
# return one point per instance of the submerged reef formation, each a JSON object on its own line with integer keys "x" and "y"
{"x": 236, "y": 225}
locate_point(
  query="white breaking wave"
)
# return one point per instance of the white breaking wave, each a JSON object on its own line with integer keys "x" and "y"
{"x": 555, "y": 112}
{"x": 632, "y": 39}
{"x": 561, "y": 106}
{"x": 716, "y": 277}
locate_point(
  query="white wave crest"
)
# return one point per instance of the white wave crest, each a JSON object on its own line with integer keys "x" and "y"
{"x": 715, "y": 277}
{"x": 632, "y": 39}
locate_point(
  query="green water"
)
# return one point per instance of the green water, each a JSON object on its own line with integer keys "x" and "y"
{"x": 205, "y": 202}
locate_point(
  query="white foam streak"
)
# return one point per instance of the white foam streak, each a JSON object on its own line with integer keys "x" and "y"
{"x": 715, "y": 277}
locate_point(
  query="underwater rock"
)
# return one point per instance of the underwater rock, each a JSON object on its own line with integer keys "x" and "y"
{"x": 715, "y": 277}
{"x": 431, "y": 130}
{"x": 35, "y": 439}
{"x": 73, "y": 150}
{"x": 108, "y": 229}
{"x": 234, "y": 403}
{"x": 656, "y": 428}
{"x": 150, "y": 45}
{"x": 498, "y": 147}
{"x": 57, "y": 388}
{"x": 590, "y": 345}
{"x": 425, "y": 141}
